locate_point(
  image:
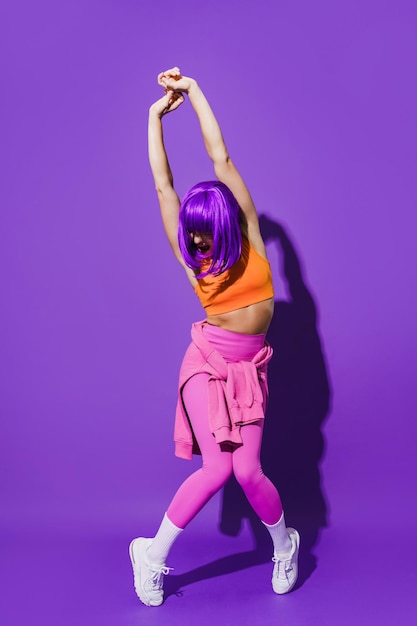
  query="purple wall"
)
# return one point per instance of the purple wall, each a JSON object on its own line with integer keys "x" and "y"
{"x": 317, "y": 101}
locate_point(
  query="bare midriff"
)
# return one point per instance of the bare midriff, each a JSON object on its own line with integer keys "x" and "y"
{"x": 250, "y": 320}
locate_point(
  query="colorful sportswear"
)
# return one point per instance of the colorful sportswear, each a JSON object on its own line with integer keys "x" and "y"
{"x": 249, "y": 281}
{"x": 236, "y": 392}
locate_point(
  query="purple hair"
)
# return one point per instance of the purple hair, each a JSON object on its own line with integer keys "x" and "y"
{"x": 210, "y": 208}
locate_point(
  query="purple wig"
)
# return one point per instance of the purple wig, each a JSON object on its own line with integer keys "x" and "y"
{"x": 210, "y": 208}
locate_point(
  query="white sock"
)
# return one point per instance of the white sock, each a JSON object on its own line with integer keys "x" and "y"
{"x": 162, "y": 542}
{"x": 280, "y": 538}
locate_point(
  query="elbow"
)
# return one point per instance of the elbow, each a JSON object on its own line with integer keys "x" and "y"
{"x": 164, "y": 185}
{"x": 164, "y": 190}
{"x": 222, "y": 165}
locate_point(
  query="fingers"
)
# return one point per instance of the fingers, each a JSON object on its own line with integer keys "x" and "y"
{"x": 171, "y": 101}
{"x": 170, "y": 84}
{"x": 174, "y": 73}
{"x": 175, "y": 102}
{"x": 173, "y": 97}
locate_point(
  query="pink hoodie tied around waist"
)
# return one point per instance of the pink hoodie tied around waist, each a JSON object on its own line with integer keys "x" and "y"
{"x": 235, "y": 393}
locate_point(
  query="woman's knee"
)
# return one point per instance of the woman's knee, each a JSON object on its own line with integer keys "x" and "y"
{"x": 218, "y": 472}
{"x": 248, "y": 475}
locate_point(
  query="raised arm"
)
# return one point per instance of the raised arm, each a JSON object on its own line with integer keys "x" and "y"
{"x": 158, "y": 159}
{"x": 216, "y": 148}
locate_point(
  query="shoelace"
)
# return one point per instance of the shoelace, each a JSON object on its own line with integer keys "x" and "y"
{"x": 287, "y": 566}
{"x": 157, "y": 576}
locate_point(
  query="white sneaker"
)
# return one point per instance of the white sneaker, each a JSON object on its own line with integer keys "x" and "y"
{"x": 148, "y": 579}
{"x": 285, "y": 571}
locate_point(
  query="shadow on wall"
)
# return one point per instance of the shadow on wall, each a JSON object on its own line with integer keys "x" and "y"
{"x": 293, "y": 442}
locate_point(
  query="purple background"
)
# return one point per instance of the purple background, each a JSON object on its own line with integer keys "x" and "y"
{"x": 317, "y": 101}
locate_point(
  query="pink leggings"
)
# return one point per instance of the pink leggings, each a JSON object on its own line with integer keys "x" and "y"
{"x": 218, "y": 465}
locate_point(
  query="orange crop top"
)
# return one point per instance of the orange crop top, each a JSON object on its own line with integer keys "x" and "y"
{"x": 247, "y": 282}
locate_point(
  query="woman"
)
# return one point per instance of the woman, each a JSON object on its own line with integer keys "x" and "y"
{"x": 215, "y": 235}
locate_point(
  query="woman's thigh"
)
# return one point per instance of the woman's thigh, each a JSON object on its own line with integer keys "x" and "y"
{"x": 195, "y": 396}
{"x": 246, "y": 458}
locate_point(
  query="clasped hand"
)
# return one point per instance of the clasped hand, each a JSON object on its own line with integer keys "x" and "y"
{"x": 175, "y": 85}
